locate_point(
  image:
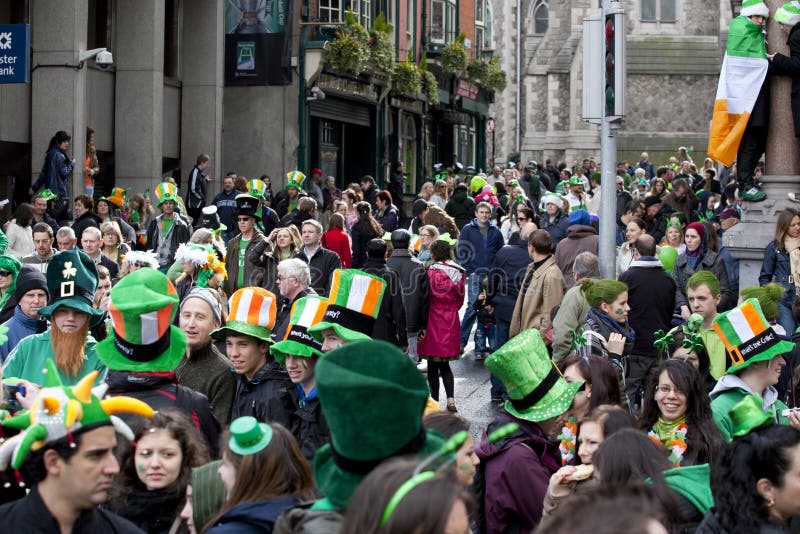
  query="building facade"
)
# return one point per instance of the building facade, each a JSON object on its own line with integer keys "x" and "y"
{"x": 674, "y": 53}
{"x": 240, "y": 81}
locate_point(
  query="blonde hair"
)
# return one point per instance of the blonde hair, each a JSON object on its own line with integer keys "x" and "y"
{"x": 111, "y": 228}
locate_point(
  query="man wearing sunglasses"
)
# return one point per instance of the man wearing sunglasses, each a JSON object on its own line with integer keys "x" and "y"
{"x": 242, "y": 270}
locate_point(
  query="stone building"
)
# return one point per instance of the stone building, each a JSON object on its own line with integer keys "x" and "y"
{"x": 674, "y": 53}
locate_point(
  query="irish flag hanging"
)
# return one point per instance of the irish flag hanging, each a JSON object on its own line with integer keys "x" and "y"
{"x": 744, "y": 69}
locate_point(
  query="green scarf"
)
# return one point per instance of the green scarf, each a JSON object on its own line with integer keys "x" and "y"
{"x": 665, "y": 430}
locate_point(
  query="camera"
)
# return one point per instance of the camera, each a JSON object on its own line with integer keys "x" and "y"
{"x": 318, "y": 93}
{"x": 104, "y": 59}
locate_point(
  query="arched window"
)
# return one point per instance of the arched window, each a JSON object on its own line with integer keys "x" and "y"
{"x": 539, "y": 16}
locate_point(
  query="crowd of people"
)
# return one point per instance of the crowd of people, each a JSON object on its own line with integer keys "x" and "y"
{"x": 272, "y": 359}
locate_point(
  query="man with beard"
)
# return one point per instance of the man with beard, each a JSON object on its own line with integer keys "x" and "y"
{"x": 72, "y": 281}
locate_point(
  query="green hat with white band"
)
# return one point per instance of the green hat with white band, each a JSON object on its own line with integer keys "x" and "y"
{"x": 788, "y": 14}
{"x": 754, "y": 7}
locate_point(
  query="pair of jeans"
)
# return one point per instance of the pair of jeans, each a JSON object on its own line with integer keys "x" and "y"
{"x": 474, "y": 283}
{"x": 484, "y": 337}
{"x": 501, "y": 329}
{"x": 786, "y": 318}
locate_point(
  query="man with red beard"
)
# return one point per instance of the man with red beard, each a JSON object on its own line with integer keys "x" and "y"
{"x": 72, "y": 281}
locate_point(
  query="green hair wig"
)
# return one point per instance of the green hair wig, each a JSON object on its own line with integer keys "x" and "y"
{"x": 768, "y": 296}
{"x": 597, "y": 291}
{"x": 704, "y": 278}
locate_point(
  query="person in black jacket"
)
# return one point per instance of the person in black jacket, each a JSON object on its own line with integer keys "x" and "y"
{"x": 397, "y": 187}
{"x": 414, "y": 281}
{"x": 391, "y": 323}
{"x": 84, "y": 218}
{"x": 321, "y": 260}
{"x": 651, "y": 296}
{"x": 366, "y": 229}
{"x": 141, "y": 359}
{"x": 197, "y": 187}
{"x": 261, "y": 383}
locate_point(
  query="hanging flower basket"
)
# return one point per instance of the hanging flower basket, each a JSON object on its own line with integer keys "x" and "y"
{"x": 350, "y": 50}
{"x": 454, "y": 57}
{"x": 406, "y": 79}
{"x": 496, "y": 79}
{"x": 430, "y": 86}
{"x": 381, "y": 48}
{"x": 478, "y": 70}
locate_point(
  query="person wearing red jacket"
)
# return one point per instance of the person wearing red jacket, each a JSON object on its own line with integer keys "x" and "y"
{"x": 337, "y": 240}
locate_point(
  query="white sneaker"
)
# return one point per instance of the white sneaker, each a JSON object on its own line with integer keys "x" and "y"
{"x": 423, "y": 366}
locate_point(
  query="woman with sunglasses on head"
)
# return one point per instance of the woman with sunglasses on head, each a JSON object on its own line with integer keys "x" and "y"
{"x": 520, "y": 215}
{"x": 677, "y": 414}
{"x": 392, "y": 500}
{"x": 263, "y": 472}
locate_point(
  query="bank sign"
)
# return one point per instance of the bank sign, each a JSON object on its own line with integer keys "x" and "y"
{"x": 15, "y": 45}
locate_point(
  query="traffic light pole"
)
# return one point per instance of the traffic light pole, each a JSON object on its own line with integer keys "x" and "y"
{"x": 608, "y": 157}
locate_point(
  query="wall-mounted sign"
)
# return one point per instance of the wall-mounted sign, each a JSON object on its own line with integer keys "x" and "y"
{"x": 15, "y": 46}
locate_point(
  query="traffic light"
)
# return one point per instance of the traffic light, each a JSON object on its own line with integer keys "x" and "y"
{"x": 615, "y": 72}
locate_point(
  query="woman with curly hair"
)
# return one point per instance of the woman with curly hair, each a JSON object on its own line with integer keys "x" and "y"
{"x": 285, "y": 242}
{"x": 755, "y": 483}
{"x": 366, "y": 229}
{"x": 155, "y": 469}
{"x": 677, "y": 414}
{"x": 438, "y": 218}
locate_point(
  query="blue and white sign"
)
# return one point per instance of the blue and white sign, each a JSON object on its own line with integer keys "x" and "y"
{"x": 15, "y": 46}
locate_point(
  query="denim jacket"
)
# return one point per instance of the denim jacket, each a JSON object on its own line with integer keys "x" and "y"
{"x": 776, "y": 267}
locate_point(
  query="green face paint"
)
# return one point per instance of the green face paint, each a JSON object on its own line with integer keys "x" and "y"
{"x": 141, "y": 468}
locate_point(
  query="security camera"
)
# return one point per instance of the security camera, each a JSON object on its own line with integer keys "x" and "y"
{"x": 104, "y": 59}
{"x": 318, "y": 93}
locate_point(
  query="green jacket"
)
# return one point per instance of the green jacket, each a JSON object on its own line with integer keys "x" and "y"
{"x": 27, "y": 361}
{"x": 571, "y": 316}
{"x": 727, "y": 394}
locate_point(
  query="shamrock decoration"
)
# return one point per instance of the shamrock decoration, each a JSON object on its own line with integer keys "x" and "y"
{"x": 694, "y": 324}
{"x": 578, "y": 341}
{"x": 693, "y": 342}
{"x": 69, "y": 270}
{"x": 662, "y": 340}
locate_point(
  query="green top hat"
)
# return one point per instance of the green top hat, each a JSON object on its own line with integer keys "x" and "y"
{"x": 748, "y": 337}
{"x": 248, "y": 436}
{"x": 575, "y": 180}
{"x": 536, "y": 389}
{"x": 353, "y": 305}
{"x": 295, "y": 179}
{"x": 257, "y": 188}
{"x": 748, "y": 414}
{"x": 59, "y": 411}
{"x": 359, "y": 384}
{"x": 252, "y": 313}
{"x": 306, "y": 312}
{"x": 247, "y": 205}
{"x": 72, "y": 281}
{"x": 166, "y": 191}
{"x": 48, "y": 195}
{"x": 142, "y": 308}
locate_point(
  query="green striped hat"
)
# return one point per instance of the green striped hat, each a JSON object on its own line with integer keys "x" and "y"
{"x": 754, "y": 7}
{"x": 257, "y": 187}
{"x": 788, "y": 14}
{"x": 748, "y": 337}
{"x": 295, "y": 179}
{"x": 306, "y": 312}
{"x": 353, "y": 305}
{"x": 166, "y": 191}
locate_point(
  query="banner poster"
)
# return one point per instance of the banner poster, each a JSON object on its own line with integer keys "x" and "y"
{"x": 258, "y": 42}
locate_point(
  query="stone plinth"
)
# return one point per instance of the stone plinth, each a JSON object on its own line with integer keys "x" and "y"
{"x": 747, "y": 240}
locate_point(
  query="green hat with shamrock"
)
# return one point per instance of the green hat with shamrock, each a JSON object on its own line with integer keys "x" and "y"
{"x": 166, "y": 191}
{"x": 295, "y": 179}
{"x": 788, "y": 14}
{"x": 47, "y": 194}
{"x": 748, "y": 337}
{"x": 373, "y": 398}
{"x": 353, "y": 305}
{"x": 60, "y": 412}
{"x": 72, "y": 281}
{"x": 306, "y": 312}
{"x": 536, "y": 389}
{"x": 142, "y": 309}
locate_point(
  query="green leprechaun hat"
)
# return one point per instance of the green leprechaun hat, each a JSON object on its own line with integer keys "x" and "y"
{"x": 48, "y": 195}
{"x": 72, "y": 281}
{"x": 248, "y": 436}
{"x": 257, "y": 188}
{"x": 63, "y": 412}
{"x": 748, "y": 337}
{"x": 575, "y": 180}
{"x": 749, "y": 414}
{"x": 788, "y": 14}
{"x": 253, "y": 311}
{"x": 353, "y": 305}
{"x": 356, "y": 395}
{"x": 295, "y": 179}
{"x": 142, "y": 308}
{"x": 306, "y": 312}
{"x": 536, "y": 389}
{"x": 166, "y": 191}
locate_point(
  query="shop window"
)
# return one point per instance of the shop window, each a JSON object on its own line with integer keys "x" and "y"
{"x": 330, "y": 10}
{"x": 539, "y": 17}
{"x": 408, "y": 151}
{"x": 444, "y": 21}
{"x": 658, "y": 11}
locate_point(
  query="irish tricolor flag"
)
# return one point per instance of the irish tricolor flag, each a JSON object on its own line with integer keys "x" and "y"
{"x": 743, "y": 71}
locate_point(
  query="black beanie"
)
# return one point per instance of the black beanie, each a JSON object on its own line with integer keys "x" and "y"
{"x": 30, "y": 278}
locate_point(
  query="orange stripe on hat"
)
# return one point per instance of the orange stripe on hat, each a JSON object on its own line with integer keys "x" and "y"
{"x": 171, "y": 288}
{"x": 164, "y": 322}
{"x": 372, "y": 298}
{"x": 335, "y": 286}
{"x": 234, "y": 304}
{"x": 753, "y": 319}
{"x": 320, "y": 311}
{"x": 116, "y": 320}
{"x": 254, "y": 312}
{"x": 721, "y": 335}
